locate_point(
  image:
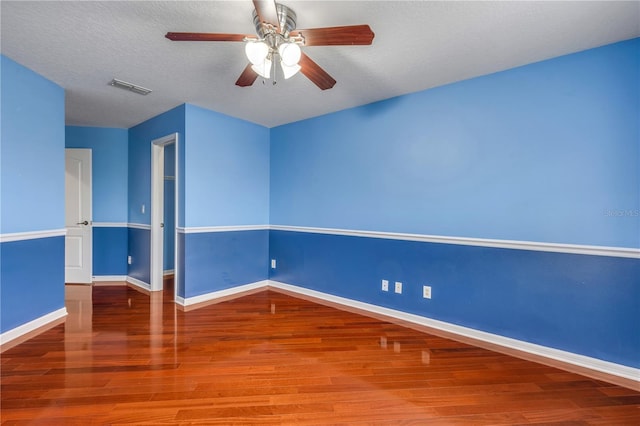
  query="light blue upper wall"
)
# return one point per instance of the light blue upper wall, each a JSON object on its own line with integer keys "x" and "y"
{"x": 31, "y": 151}
{"x": 140, "y": 138}
{"x": 109, "y": 168}
{"x": 547, "y": 152}
{"x": 227, "y": 170}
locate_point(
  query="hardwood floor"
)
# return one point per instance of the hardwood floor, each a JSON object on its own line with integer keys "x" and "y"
{"x": 123, "y": 357}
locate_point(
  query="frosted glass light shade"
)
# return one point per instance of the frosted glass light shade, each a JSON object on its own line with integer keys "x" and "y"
{"x": 289, "y": 71}
{"x": 289, "y": 53}
{"x": 263, "y": 69}
{"x": 257, "y": 51}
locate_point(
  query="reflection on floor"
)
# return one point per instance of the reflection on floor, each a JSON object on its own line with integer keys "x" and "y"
{"x": 130, "y": 358}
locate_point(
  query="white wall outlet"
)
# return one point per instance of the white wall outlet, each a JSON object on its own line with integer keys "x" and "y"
{"x": 142, "y": 209}
{"x": 426, "y": 292}
{"x": 129, "y": 260}
{"x": 273, "y": 264}
{"x": 385, "y": 285}
{"x": 398, "y": 287}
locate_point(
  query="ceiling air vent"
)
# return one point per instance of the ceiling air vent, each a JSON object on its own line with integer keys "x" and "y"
{"x": 129, "y": 86}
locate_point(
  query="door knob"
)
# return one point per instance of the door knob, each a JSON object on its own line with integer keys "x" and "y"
{"x": 83, "y": 223}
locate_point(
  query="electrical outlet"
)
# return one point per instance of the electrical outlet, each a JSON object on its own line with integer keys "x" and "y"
{"x": 142, "y": 209}
{"x": 385, "y": 285}
{"x": 398, "y": 287}
{"x": 129, "y": 260}
{"x": 273, "y": 264}
{"x": 426, "y": 292}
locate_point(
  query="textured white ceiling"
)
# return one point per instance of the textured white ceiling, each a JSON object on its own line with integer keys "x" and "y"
{"x": 418, "y": 45}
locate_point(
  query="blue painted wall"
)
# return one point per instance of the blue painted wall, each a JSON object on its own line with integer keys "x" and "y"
{"x": 543, "y": 153}
{"x": 32, "y": 151}
{"x": 226, "y": 184}
{"x": 110, "y": 250}
{"x": 221, "y": 260}
{"x": 139, "y": 247}
{"x": 31, "y": 183}
{"x": 548, "y": 152}
{"x": 179, "y": 278}
{"x": 32, "y": 280}
{"x": 140, "y": 138}
{"x": 169, "y": 225}
{"x": 227, "y": 170}
{"x": 139, "y": 185}
{"x": 109, "y": 161}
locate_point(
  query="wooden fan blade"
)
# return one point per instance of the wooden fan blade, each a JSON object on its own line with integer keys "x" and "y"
{"x": 247, "y": 78}
{"x": 316, "y": 74}
{"x": 337, "y": 36}
{"x": 206, "y": 37}
{"x": 267, "y": 12}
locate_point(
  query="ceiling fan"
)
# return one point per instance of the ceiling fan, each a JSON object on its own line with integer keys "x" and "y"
{"x": 278, "y": 39}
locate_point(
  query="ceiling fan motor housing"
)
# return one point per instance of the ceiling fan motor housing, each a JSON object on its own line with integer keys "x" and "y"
{"x": 286, "y": 18}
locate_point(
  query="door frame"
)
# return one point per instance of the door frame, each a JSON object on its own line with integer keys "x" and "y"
{"x": 87, "y": 244}
{"x": 157, "y": 211}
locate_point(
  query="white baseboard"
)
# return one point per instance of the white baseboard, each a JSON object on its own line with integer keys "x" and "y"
{"x": 213, "y": 296}
{"x": 168, "y": 272}
{"x": 138, "y": 283}
{"x": 33, "y": 325}
{"x": 606, "y": 367}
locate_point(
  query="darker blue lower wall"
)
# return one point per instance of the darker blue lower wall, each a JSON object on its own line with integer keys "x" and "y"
{"x": 219, "y": 260}
{"x": 31, "y": 280}
{"x": 110, "y": 250}
{"x": 169, "y": 225}
{"x": 179, "y": 277}
{"x": 139, "y": 248}
{"x": 583, "y": 304}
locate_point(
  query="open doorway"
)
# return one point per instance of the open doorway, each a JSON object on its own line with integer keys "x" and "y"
{"x": 164, "y": 213}
{"x": 169, "y": 240}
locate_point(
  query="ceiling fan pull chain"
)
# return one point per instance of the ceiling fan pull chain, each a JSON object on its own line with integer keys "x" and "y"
{"x": 274, "y": 69}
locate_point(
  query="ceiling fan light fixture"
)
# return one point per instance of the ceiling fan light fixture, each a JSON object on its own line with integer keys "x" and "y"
{"x": 263, "y": 69}
{"x": 289, "y": 70}
{"x": 257, "y": 51}
{"x": 289, "y": 53}
{"x": 278, "y": 40}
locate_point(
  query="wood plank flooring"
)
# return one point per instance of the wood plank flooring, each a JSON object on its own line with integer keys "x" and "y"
{"x": 123, "y": 357}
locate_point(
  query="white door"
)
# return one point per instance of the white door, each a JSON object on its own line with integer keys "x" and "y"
{"x": 79, "y": 239}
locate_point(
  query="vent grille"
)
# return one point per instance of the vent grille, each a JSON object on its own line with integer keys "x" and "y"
{"x": 129, "y": 86}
